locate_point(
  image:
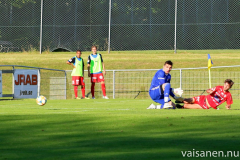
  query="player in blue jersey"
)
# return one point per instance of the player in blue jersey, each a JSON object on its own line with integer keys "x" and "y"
{"x": 160, "y": 88}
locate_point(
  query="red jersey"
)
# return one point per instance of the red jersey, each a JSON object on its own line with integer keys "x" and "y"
{"x": 218, "y": 96}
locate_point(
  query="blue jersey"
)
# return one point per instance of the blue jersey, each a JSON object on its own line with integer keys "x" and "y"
{"x": 160, "y": 78}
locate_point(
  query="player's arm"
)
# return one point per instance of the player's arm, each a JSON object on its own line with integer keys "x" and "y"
{"x": 88, "y": 66}
{"x": 71, "y": 61}
{"x": 177, "y": 91}
{"x": 229, "y": 101}
{"x": 211, "y": 90}
{"x": 103, "y": 66}
{"x": 161, "y": 78}
{"x": 83, "y": 67}
{"x": 228, "y": 106}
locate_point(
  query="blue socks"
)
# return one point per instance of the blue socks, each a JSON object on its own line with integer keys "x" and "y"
{"x": 167, "y": 92}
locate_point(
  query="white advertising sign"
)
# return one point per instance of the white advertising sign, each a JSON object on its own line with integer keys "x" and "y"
{"x": 25, "y": 83}
{"x": 0, "y": 83}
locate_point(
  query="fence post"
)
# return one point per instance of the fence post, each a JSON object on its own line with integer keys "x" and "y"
{"x": 175, "y": 35}
{"x": 181, "y": 78}
{"x": 39, "y": 83}
{"x": 65, "y": 84}
{"x": 113, "y": 84}
{"x": 40, "y": 47}
{"x": 109, "y": 27}
{"x": 13, "y": 81}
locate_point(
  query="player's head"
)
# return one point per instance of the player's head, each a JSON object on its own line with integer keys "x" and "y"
{"x": 94, "y": 49}
{"x": 78, "y": 53}
{"x": 167, "y": 66}
{"x": 228, "y": 83}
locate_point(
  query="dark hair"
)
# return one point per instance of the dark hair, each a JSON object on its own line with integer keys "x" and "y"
{"x": 79, "y": 51}
{"x": 229, "y": 81}
{"x": 94, "y": 47}
{"x": 168, "y": 62}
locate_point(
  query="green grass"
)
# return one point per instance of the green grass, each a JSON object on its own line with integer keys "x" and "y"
{"x": 112, "y": 129}
{"x": 126, "y": 59}
{"x": 115, "y": 129}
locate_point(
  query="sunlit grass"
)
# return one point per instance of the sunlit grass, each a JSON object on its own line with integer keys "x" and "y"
{"x": 112, "y": 129}
{"x": 126, "y": 59}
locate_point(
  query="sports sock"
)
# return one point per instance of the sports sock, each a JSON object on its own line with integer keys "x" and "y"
{"x": 76, "y": 91}
{"x": 83, "y": 91}
{"x": 179, "y": 106}
{"x": 92, "y": 89}
{"x": 103, "y": 89}
{"x": 166, "y": 92}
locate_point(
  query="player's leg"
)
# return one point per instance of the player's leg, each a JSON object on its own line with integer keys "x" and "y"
{"x": 75, "y": 83}
{"x": 83, "y": 91}
{"x": 192, "y": 106}
{"x": 103, "y": 88}
{"x": 100, "y": 79}
{"x": 76, "y": 92}
{"x": 198, "y": 102}
{"x": 93, "y": 80}
{"x": 83, "y": 88}
{"x": 189, "y": 100}
{"x": 162, "y": 104}
{"x": 92, "y": 90}
{"x": 157, "y": 96}
{"x": 173, "y": 104}
{"x": 166, "y": 87}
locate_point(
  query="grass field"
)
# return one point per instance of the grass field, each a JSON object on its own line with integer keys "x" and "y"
{"x": 126, "y": 59}
{"x": 112, "y": 129}
{"x": 115, "y": 129}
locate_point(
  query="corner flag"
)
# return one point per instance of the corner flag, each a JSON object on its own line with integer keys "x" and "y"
{"x": 210, "y": 63}
{"x": 209, "y": 67}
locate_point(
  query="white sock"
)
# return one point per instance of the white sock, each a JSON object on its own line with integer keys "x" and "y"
{"x": 158, "y": 107}
{"x": 165, "y": 99}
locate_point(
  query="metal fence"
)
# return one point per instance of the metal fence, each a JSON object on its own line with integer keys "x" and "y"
{"x": 119, "y": 24}
{"x": 130, "y": 84}
{"x": 134, "y": 84}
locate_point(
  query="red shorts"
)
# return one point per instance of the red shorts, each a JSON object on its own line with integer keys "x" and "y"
{"x": 77, "y": 80}
{"x": 97, "y": 77}
{"x": 201, "y": 100}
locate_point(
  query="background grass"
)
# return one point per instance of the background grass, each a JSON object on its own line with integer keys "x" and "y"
{"x": 131, "y": 60}
{"x": 116, "y": 128}
{"x": 112, "y": 129}
{"x": 126, "y": 59}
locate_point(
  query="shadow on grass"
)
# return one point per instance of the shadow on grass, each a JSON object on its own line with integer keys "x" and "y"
{"x": 99, "y": 138}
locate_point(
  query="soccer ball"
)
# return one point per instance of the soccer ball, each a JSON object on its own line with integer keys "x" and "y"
{"x": 41, "y": 100}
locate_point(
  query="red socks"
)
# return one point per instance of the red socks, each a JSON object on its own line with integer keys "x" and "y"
{"x": 92, "y": 89}
{"x": 103, "y": 89}
{"x": 76, "y": 91}
{"x": 83, "y": 91}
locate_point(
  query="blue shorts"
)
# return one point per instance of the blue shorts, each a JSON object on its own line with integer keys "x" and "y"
{"x": 157, "y": 96}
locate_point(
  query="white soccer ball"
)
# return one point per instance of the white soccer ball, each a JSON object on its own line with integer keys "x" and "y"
{"x": 41, "y": 100}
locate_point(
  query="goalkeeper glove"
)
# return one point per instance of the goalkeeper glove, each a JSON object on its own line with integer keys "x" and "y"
{"x": 178, "y": 91}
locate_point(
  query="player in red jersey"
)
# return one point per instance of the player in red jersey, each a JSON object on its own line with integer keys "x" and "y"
{"x": 78, "y": 74}
{"x": 216, "y": 97}
{"x": 96, "y": 70}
